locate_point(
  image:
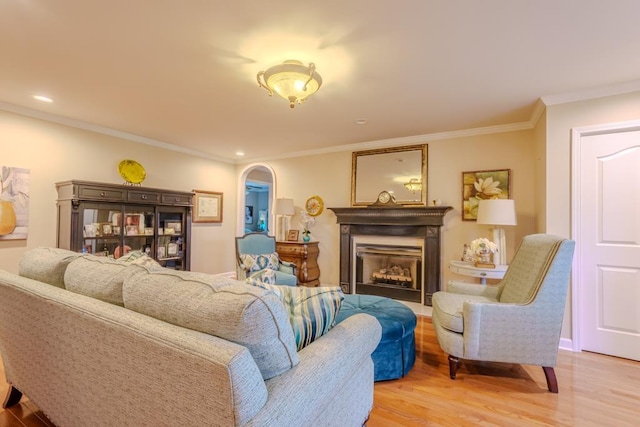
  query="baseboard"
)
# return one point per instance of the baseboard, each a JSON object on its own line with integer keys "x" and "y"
{"x": 566, "y": 344}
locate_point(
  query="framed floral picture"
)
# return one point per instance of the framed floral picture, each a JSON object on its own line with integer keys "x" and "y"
{"x": 478, "y": 185}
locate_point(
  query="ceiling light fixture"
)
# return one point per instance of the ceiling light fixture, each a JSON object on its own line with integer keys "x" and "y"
{"x": 414, "y": 185}
{"x": 291, "y": 80}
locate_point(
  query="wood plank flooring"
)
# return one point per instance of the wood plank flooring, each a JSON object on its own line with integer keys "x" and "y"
{"x": 595, "y": 390}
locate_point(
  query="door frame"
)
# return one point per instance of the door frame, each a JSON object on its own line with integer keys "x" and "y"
{"x": 242, "y": 199}
{"x": 576, "y": 271}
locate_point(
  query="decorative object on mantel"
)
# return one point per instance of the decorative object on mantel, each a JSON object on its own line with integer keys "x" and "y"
{"x": 14, "y": 203}
{"x": 306, "y": 221}
{"x": 498, "y": 212}
{"x": 291, "y": 80}
{"x": 132, "y": 172}
{"x": 390, "y": 169}
{"x": 314, "y": 205}
{"x": 482, "y": 248}
{"x": 483, "y": 185}
{"x": 385, "y": 198}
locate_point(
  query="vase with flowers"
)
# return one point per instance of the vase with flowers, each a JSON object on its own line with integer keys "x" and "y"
{"x": 306, "y": 221}
{"x": 482, "y": 249}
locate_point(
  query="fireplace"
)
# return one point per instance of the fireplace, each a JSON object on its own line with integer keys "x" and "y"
{"x": 388, "y": 267}
{"x": 391, "y": 252}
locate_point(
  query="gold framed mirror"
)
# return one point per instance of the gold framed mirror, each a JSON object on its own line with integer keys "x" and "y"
{"x": 401, "y": 171}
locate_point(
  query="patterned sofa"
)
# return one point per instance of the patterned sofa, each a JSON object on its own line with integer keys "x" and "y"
{"x": 92, "y": 341}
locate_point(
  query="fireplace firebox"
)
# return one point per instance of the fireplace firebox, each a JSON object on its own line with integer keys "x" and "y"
{"x": 391, "y": 251}
{"x": 389, "y": 271}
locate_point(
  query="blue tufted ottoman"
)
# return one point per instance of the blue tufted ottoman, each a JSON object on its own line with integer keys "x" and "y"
{"x": 395, "y": 355}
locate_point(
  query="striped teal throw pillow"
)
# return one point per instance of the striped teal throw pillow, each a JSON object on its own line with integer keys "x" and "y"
{"x": 312, "y": 311}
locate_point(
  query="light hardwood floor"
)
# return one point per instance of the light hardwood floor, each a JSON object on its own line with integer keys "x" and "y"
{"x": 595, "y": 390}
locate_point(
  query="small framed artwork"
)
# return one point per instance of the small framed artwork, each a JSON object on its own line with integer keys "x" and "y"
{"x": 116, "y": 229}
{"x": 106, "y": 229}
{"x": 162, "y": 252}
{"x": 132, "y": 230}
{"x": 172, "y": 249}
{"x": 292, "y": 235}
{"x": 248, "y": 214}
{"x": 175, "y": 226}
{"x": 486, "y": 184}
{"x": 207, "y": 206}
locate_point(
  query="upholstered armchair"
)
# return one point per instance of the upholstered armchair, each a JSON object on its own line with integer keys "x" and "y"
{"x": 256, "y": 257}
{"x": 519, "y": 320}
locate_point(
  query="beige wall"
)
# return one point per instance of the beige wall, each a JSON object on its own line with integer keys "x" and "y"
{"x": 329, "y": 176}
{"x": 560, "y": 119}
{"x": 56, "y": 153}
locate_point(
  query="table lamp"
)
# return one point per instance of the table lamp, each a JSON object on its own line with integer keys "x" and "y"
{"x": 498, "y": 212}
{"x": 284, "y": 210}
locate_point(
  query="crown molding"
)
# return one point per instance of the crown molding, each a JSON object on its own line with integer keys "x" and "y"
{"x": 107, "y": 131}
{"x": 592, "y": 93}
{"x": 409, "y": 140}
{"x": 536, "y": 114}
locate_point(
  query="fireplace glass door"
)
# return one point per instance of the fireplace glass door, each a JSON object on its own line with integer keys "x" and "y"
{"x": 389, "y": 271}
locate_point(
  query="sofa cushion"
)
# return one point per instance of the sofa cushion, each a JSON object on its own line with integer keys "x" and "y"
{"x": 46, "y": 265}
{"x": 312, "y": 311}
{"x": 99, "y": 277}
{"x": 139, "y": 258}
{"x": 448, "y": 307}
{"x": 253, "y": 263}
{"x": 267, "y": 276}
{"x": 229, "y": 309}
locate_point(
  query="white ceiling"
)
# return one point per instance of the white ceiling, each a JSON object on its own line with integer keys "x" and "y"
{"x": 183, "y": 72}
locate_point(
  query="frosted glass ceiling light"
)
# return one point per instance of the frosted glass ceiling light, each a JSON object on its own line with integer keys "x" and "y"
{"x": 291, "y": 80}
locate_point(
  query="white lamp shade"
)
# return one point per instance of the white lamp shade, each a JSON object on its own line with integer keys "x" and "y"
{"x": 284, "y": 206}
{"x": 497, "y": 212}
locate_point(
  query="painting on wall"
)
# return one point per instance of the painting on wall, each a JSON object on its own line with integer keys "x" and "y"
{"x": 14, "y": 203}
{"x": 248, "y": 214}
{"x": 478, "y": 185}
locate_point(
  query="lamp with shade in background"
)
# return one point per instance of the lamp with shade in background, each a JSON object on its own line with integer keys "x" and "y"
{"x": 498, "y": 212}
{"x": 284, "y": 210}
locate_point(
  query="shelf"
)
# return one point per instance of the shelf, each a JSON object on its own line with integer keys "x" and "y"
{"x": 157, "y": 219}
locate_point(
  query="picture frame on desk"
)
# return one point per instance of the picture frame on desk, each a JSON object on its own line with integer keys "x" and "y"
{"x": 292, "y": 235}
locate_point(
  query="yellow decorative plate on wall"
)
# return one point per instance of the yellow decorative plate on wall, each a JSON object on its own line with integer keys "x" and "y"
{"x": 132, "y": 171}
{"x": 314, "y": 205}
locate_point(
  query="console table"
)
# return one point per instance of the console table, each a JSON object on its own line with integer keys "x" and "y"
{"x": 468, "y": 269}
{"x": 305, "y": 256}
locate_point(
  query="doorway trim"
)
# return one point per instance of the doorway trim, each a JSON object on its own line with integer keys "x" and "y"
{"x": 576, "y": 137}
{"x": 242, "y": 197}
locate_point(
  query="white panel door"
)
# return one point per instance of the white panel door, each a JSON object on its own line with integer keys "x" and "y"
{"x": 609, "y": 243}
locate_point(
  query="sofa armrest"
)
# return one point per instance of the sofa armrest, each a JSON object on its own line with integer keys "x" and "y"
{"x": 300, "y": 396}
{"x": 196, "y": 378}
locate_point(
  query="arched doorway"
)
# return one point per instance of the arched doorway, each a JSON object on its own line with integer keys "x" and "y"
{"x": 256, "y": 199}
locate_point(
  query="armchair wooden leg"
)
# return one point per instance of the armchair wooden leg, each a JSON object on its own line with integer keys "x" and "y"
{"x": 453, "y": 366}
{"x": 552, "y": 381}
{"x": 13, "y": 397}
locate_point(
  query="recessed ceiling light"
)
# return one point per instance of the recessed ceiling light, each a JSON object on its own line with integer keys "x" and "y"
{"x": 239, "y": 153}
{"x": 361, "y": 122}
{"x": 42, "y": 98}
